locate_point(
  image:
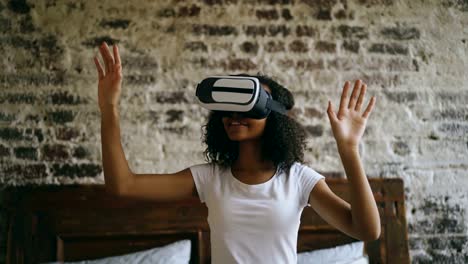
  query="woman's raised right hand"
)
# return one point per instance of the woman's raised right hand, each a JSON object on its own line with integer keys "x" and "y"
{"x": 110, "y": 78}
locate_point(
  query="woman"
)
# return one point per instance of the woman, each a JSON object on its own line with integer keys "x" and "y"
{"x": 255, "y": 185}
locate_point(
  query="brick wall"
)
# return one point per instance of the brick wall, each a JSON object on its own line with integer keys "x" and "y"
{"x": 413, "y": 55}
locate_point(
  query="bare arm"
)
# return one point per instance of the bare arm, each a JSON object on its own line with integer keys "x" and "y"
{"x": 122, "y": 181}
{"x": 162, "y": 187}
{"x": 119, "y": 179}
{"x": 117, "y": 173}
{"x": 365, "y": 215}
{"x": 361, "y": 218}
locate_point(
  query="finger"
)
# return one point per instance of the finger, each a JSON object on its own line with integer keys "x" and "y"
{"x": 354, "y": 94}
{"x": 118, "y": 65}
{"x": 99, "y": 68}
{"x": 361, "y": 97}
{"x": 108, "y": 57}
{"x": 103, "y": 56}
{"x": 330, "y": 112}
{"x": 343, "y": 97}
{"x": 369, "y": 108}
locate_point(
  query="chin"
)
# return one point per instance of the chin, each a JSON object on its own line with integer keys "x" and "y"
{"x": 240, "y": 137}
{"x": 236, "y": 137}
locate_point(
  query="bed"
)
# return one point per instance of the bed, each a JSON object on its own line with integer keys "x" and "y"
{"x": 78, "y": 222}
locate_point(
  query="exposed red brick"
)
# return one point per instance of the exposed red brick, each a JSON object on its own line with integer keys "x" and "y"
{"x": 353, "y": 31}
{"x": 189, "y": 11}
{"x": 389, "y": 48}
{"x": 314, "y": 130}
{"x": 312, "y": 112}
{"x": 340, "y": 14}
{"x": 115, "y": 23}
{"x": 401, "y": 33}
{"x": 351, "y": 46}
{"x": 274, "y": 46}
{"x": 214, "y": 30}
{"x": 28, "y": 171}
{"x": 174, "y": 115}
{"x": 241, "y": 65}
{"x": 67, "y": 133}
{"x": 325, "y": 46}
{"x": 196, "y": 46}
{"x": 76, "y": 170}
{"x": 310, "y": 64}
{"x": 324, "y": 14}
{"x": 29, "y": 153}
{"x": 4, "y": 151}
{"x": 286, "y": 14}
{"x": 320, "y": 4}
{"x": 249, "y": 47}
{"x": 55, "y": 152}
{"x": 270, "y": 14}
{"x": 369, "y": 3}
{"x": 305, "y": 31}
{"x": 286, "y": 63}
{"x": 168, "y": 97}
{"x": 298, "y": 46}
{"x": 219, "y": 2}
{"x": 271, "y": 30}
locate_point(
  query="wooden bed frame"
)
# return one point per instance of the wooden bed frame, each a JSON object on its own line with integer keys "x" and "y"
{"x": 77, "y": 222}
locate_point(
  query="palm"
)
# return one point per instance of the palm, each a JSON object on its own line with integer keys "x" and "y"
{"x": 348, "y": 124}
{"x": 110, "y": 78}
{"x": 109, "y": 88}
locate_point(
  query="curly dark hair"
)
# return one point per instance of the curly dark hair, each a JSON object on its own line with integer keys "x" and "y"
{"x": 284, "y": 139}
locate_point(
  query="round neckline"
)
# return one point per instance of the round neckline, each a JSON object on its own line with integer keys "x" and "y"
{"x": 258, "y": 185}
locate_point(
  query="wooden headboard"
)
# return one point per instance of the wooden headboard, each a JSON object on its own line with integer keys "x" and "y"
{"x": 77, "y": 222}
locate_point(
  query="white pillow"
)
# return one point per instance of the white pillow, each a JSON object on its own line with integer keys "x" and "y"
{"x": 174, "y": 253}
{"x": 351, "y": 253}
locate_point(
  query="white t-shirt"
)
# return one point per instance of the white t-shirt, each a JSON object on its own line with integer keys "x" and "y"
{"x": 256, "y": 223}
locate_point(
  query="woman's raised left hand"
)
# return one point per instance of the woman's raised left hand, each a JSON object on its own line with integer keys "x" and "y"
{"x": 349, "y": 123}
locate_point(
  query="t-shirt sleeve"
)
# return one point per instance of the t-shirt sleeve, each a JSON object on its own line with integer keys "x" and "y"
{"x": 307, "y": 178}
{"x": 201, "y": 174}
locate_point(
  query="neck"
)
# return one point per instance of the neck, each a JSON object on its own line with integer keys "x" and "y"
{"x": 250, "y": 157}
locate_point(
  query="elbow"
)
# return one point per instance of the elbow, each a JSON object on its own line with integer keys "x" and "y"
{"x": 371, "y": 235}
{"x": 116, "y": 191}
{"x": 113, "y": 191}
{"x": 370, "y": 230}
{"x": 118, "y": 188}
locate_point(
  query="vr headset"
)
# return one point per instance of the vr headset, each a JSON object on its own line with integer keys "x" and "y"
{"x": 241, "y": 94}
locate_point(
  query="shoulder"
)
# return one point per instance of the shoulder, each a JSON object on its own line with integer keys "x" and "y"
{"x": 300, "y": 168}
{"x": 207, "y": 168}
{"x": 304, "y": 171}
{"x": 205, "y": 165}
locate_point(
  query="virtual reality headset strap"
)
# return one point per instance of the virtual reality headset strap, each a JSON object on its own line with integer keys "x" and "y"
{"x": 276, "y": 106}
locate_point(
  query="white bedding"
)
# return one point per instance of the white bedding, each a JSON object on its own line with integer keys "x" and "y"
{"x": 174, "y": 253}
{"x": 179, "y": 253}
